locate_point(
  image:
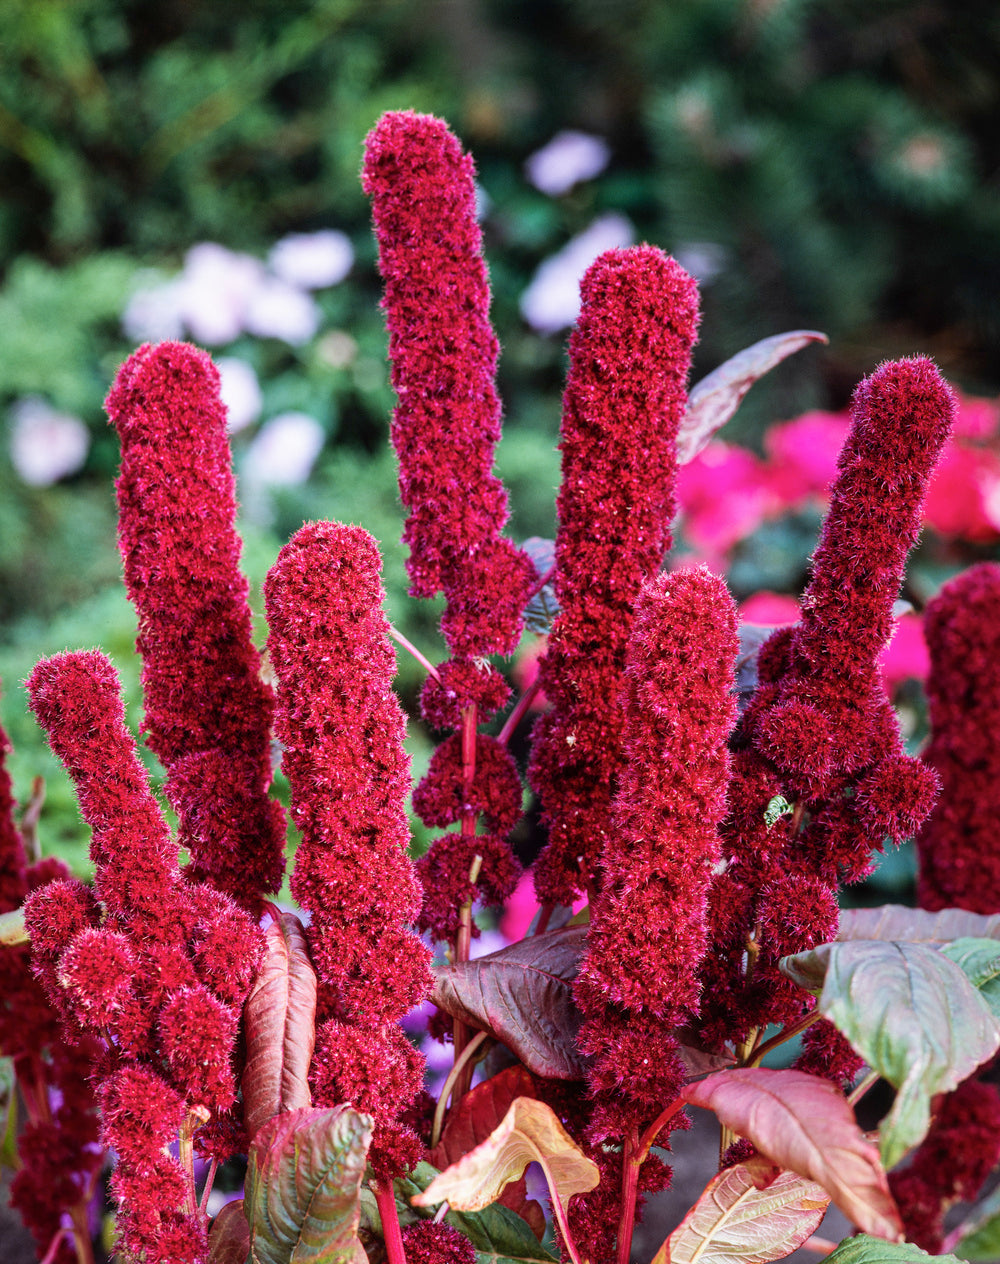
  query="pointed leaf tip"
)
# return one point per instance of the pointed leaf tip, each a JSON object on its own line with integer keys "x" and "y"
{"x": 716, "y": 397}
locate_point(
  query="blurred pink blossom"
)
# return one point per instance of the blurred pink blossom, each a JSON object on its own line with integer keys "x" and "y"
{"x": 770, "y": 609}
{"x": 312, "y": 261}
{"x": 964, "y": 495}
{"x": 525, "y": 670}
{"x": 977, "y": 418}
{"x": 568, "y": 158}
{"x": 45, "y": 444}
{"x": 905, "y": 657}
{"x": 723, "y": 495}
{"x": 275, "y": 309}
{"x": 284, "y": 450}
{"x": 802, "y": 455}
{"x": 552, "y": 300}
{"x": 216, "y": 287}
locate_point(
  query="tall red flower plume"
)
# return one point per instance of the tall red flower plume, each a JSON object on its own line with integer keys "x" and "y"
{"x": 207, "y": 711}
{"x": 625, "y": 396}
{"x": 958, "y": 851}
{"x": 342, "y": 731}
{"x": 446, "y": 423}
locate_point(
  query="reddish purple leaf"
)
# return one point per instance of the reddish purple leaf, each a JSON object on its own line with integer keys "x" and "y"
{"x": 280, "y": 1022}
{"x": 478, "y": 1114}
{"x": 229, "y": 1236}
{"x": 896, "y": 922}
{"x": 805, "y": 1124}
{"x": 715, "y": 398}
{"x": 743, "y": 1217}
{"x": 523, "y": 995}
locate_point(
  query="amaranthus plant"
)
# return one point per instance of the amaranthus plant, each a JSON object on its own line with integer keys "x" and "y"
{"x": 706, "y": 793}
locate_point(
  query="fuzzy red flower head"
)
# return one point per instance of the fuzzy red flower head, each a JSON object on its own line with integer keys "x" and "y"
{"x": 96, "y": 969}
{"x": 196, "y": 1035}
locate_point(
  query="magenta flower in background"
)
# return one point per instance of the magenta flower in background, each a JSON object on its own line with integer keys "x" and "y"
{"x": 625, "y": 395}
{"x": 959, "y": 856}
{"x": 342, "y": 732}
{"x": 208, "y": 713}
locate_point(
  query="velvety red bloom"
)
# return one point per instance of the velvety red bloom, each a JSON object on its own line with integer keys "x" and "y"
{"x": 444, "y": 875}
{"x": 951, "y": 1164}
{"x": 201, "y": 673}
{"x": 342, "y": 731}
{"x": 462, "y": 683}
{"x": 197, "y": 1033}
{"x": 827, "y": 1053}
{"x": 96, "y": 969}
{"x": 959, "y": 858}
{"x": 821, "y": 720}
{"x": 446, "y": 423}
{"x": 141, "y": 1111}
{"x": 443, "y": 797}
{"x": 625, "y": 395}
{"x": 429, "y": 1243}
{"x": 76, "y": 698}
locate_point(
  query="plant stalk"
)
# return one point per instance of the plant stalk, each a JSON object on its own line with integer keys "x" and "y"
{"x": 385, "y": 1200}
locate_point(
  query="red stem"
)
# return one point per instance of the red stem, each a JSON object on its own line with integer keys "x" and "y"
{"x": 631, "y": 1162}
{"x": 412, "y": 650}
{"x": 518, "y": 714}
{"x": 385, "y": 1200}
{"x": 547, "y": 578}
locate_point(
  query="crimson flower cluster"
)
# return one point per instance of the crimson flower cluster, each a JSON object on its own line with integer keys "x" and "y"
{"x": 59, "y": 1156}
{"x": 820, "y": 732}
{"x": 639, "y": 977}
{"x": 207, "y": 710}
{"x": 626, "y": 393}
{"x": 155, "y": 966}
{"x": 445, "y": 428}
{"x": 959, "y": 861}
{"x": 342, "y": 731}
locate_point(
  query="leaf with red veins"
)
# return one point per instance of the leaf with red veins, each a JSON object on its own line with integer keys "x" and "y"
{"x": 740, "y": 1217}
{"x": 806, "y": 1125}
{"x": 280, "y": 1024}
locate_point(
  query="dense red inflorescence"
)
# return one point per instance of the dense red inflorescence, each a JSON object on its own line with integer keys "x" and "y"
{"x": 820, "y": 732}
{"x": 625, "y": 396}
{"x": 139, "y": 969}
{"x": 57, "y": 1144}
{"x": 342, "y": 732}
{"x": 639, "y": 976}
{"x": 207, "y": 710}
{"x": 959, "y": 857}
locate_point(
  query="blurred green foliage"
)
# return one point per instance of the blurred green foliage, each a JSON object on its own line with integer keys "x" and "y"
{"x": 823, "y": 163}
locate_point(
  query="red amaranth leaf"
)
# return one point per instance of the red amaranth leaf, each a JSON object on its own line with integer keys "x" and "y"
{"x": 478, "y": 1113}
{"x": 523, "y": 995}
{"x": 806, "y": 1125}
{"x": 280, "y": 1026}
{"x": 229, "y": 1236}
{"x": 740, "y": 1217}
{"x": 715, "y": 398}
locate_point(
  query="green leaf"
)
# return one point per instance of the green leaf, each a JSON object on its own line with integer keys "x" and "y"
{"x": 302, "y": 1186}
{"x": 982, "y": 1236}
{"x": 980, "y": 960}
{"x": 866, "y": 1250}
{"x": 497, "y": 1234}
{"x": 913, "y": 1016}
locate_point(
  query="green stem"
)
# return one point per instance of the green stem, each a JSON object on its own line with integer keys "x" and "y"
{"x": 385, "y": 1200}
{"x": 448, "y": 1088}
{"x": 786, "y": 1033}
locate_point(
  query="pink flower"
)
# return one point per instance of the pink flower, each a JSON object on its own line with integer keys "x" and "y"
{"x": 802, "y": 456}
{"x": 722, "y": 496}
{"x": 964, "y": 496}
{"x": 625, "y": 396}
{"x": 206, "y": 704}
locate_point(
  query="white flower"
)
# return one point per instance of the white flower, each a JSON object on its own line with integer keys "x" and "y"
{"x": 312, "y": 260}
{"x": 552, "y": 300}
{"x": 46, "y": 445}
{"x": 217, "y": 287}
{"x": 568, "y": 158}
{"x": 703, "y": 259}
{"x": 153, "y": 313}
{"x": 279, "y": 310}
{"x": 284, "y": 450}
{"x": 240, "y": 392}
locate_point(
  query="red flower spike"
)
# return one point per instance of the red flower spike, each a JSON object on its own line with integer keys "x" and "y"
{"x": 376, "y": 1069}
{"x": 201, "y": 673}
{"x": 141, "y": 1112}
{"x": 462, "y": 683}
{"x": 77, "y": 700}
{"x": 196, "y": 1034}
{"x": 342, "y": 730}
{"x": 428, "y": 1243}
{"x": 639, "y": 976}
{"x": 446, "y": 423}
{"x": 625, "y": 395}
{"x": 13, "y": 880}
{"x": 96, "y": 970}
{"x": 959, "y": 859}
{"x": 444, "y": 875}
{"x": 441, "y": 798}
